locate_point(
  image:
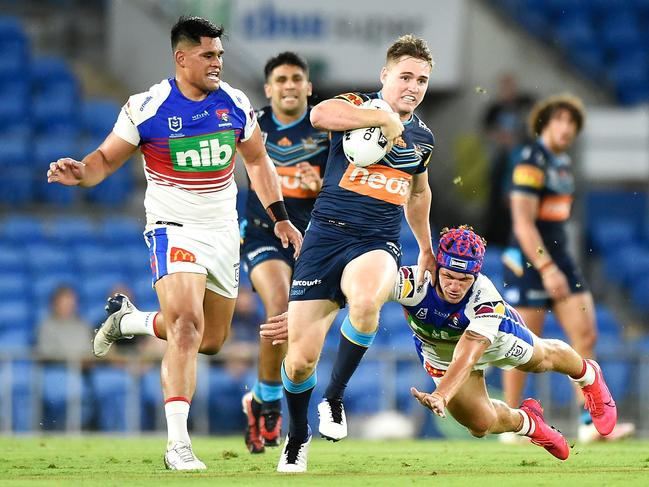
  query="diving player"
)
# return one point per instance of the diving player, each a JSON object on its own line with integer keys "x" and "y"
{"x": 461, "y": 325}
{"x": 352, "y": 249}
{"x": 541, "y": 200}
{"x": 299, "y": 152}
{"x": 188, "y": 129}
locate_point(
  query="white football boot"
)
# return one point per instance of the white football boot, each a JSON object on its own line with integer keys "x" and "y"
{"x": 294, "y": 455}
{"x": 180, "y": 456}
{"x": 333, "y": 424}
{"x": 117, "y": 306}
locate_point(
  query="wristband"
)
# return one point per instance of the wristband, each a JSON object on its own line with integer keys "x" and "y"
{"x": 277, "y": 211}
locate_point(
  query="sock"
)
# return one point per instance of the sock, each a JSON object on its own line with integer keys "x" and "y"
{"x": 139, "y": 323}
{"x": 298, "y": 395}
{"x": 268, "y": 391}
{"x": 528, "y": 427}
{"x": 587, "y": 376}
{"x": 177, "y": 412}
{"x": 351, "y": 348}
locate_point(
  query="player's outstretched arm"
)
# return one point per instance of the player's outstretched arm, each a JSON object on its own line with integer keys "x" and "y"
{"x": 468, "y": 350}
{"x": 263, "y": 176}
{"x": 417, "y": 211}
{"x": 95, "y": 167}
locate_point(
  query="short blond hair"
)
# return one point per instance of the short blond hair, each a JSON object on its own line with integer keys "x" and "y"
{"x": 411, "y": 46}
{"x": 544, "y": 110}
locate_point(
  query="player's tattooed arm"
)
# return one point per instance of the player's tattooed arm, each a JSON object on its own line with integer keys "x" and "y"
{"x": 476, "y": 337}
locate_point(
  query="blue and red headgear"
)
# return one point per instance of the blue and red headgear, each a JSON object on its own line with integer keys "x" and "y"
{"x": 461, "y": 250}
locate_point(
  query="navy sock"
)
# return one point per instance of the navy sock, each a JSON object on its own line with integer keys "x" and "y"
{"x": 351, "y": 348}
{"x": 298, "y": 395}
{"x": 298, "y": 407}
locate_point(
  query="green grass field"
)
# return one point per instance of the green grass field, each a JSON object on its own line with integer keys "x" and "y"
{"x": 101, "y": 460}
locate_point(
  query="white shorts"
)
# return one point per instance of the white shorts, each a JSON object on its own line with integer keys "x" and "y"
{"x": 212, "y": 252}
{"x": 507, "y": 351}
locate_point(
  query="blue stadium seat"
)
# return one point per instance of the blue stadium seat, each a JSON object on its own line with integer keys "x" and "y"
{"x": 47, "y": 258}
{"x": 56, "y": 388}
{"x": 96, "y": 258}
{"x": 16, "y": 313}
{"x": 17, "y": 189}
{"x": 49, "y": 148}
{"x": 48, "y": 70}
{"x": 14, "y": 285}
{"x": 628, "y": 264}
{"x": 605, "y": 233}
{"x": 96, "y": 287}
{"x": 410, "y": 374}
{"x": 144, "y": 297}
{"x": 561, "y": 388}
{"x": 619, "y": 378}
{"x": 12, "y": 258}
{"x": 115, "y": 190}
{"x": 613, "y": 205}
{"x": 14, "y": 106}
{"x": 640, "y": 295}
{"x": 14, "y": 151}
{"x": 98, "y": 117}
{"x": 224, "y": 404}
{"x": 365, "y": 393}
{"x": 110, "y": 386}
{"x": 21, "y": 397}
{"x": 73, "y": 230}
{"x": 19, "y": 230}
{"x": 150, "y": 397}
{"x": 619, "y": 31}
{"x": 122, "y": 230}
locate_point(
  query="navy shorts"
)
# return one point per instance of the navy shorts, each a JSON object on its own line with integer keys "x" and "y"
{"x": 326, "y": 250}
{"x": 527, "y": 289}
{"x": 260, "y": 245}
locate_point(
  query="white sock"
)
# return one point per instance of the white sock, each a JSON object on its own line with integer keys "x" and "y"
{"x": 138, "y": 323}
{"x": 588, "y": 378}
{"x": 527, "y": 428}
{"x": 177, "y": 413}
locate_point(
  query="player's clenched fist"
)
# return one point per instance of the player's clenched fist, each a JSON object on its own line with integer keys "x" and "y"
{"x": 66, "y": 171}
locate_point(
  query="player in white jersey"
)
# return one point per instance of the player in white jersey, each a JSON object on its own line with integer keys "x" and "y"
{"x": 461, "y": 325}
{"x": 188, "y": 129}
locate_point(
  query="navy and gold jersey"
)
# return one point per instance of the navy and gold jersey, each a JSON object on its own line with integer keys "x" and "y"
{"x": 550, "y": 177}
{"x": 288, "y": 145}
{"x": 370, "y": 200}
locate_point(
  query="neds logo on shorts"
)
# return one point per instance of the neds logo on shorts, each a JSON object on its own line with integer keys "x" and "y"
{"x": 210, "y": 152}
{"x": 380, "y": 182}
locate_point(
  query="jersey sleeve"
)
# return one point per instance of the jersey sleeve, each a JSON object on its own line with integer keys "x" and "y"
{"x": 528, "y": 174}
{"x": 251, "y": 118}
{"x": 425, "y": 146}
{"x": 125, "y": 127}
{"x": 354, "y": 98}
{"x": 405, "y": 291}
{"x": 486, "y": 309}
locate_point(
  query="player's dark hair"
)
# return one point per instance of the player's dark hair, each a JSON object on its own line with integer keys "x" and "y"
{"x": 411, "y": 46}
{"x": 287, "y": 57}
{"x": 191, "y": 29}
{"x": 544, "y": 110}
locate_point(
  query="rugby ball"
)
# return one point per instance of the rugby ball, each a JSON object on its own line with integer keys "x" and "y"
{"x": 366, "y": 146}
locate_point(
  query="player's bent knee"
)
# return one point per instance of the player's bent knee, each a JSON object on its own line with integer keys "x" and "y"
{"x": 299, "y": 368}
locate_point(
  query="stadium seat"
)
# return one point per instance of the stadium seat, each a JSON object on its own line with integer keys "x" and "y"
{"x": 224, "y": 403}
{"x": 98, "y": 117}
{"x": 22, "y": 380}
{"x": 17, "y": 190}
{"x": 14, "y": 151}
{"x": 73, "y": 230}
{"x": 151, "y": 399}
{"x": 12, "y": 258}
{"x": 115, "y": 190}
{"x": 47, "y": 258}
{"x": 640, "y": 295}
{"x": 110, "y": 387}
{"x": 122, "y": 230}
{"x": 55, "y": 393}
{"x": 366, "y": 392}
{"x": 14, "y": 285}
{"x": 19, "y": 230}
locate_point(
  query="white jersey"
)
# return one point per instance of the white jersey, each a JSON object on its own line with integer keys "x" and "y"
{"x": 439, "y": 324}
{"x": 188, "y": 149}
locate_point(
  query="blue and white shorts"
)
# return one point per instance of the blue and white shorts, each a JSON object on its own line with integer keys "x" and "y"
{"x": 213, "y": 252}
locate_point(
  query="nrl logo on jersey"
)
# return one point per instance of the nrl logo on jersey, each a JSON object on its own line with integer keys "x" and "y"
{"x": 175, "y": 123}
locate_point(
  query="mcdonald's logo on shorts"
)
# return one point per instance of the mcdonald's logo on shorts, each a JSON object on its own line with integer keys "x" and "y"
{"x": 181, "y": 255}
{"x": 433, "y": 371}
{"x": 380, "y": 182}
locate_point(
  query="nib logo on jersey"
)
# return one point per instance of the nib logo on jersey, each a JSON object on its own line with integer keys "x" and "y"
{"x": 210, "y": 152}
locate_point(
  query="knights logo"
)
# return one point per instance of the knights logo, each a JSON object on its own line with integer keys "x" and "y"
{"x": 175, "y": 123}
{"x": 223, "y": 114}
